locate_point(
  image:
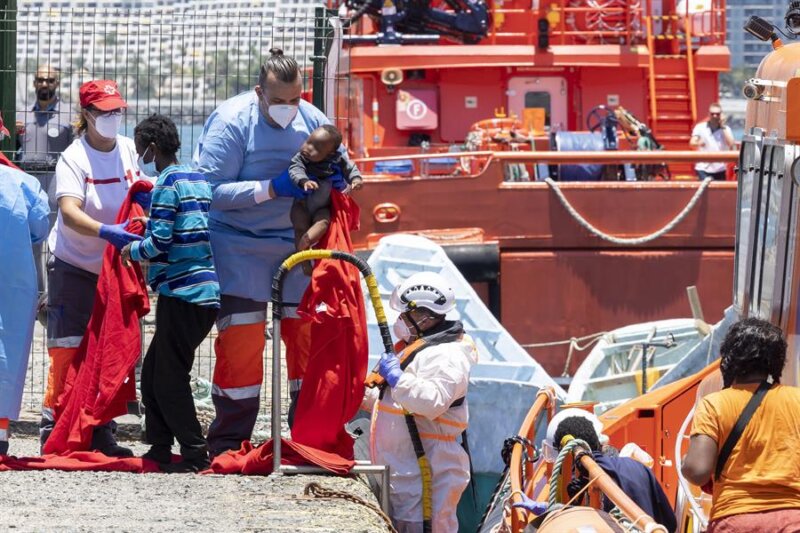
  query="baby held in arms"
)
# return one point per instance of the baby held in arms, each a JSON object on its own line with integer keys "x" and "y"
{"x": 318, "y": 167}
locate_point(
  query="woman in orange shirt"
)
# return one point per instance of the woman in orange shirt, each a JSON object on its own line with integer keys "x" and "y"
{"x": 758, "y": 487}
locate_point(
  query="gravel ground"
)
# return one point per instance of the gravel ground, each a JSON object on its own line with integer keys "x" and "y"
{"x": 106, "y": 501}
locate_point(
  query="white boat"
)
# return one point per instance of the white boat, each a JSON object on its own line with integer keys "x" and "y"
{"x": 505, "y": 380}
{"x": 629, "y": 360}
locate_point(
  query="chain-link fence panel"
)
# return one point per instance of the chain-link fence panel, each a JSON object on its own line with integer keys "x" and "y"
{"x": 179, "y": 59}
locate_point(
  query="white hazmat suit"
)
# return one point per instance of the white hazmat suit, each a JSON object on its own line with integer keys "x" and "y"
{"x": 437, "y": 376}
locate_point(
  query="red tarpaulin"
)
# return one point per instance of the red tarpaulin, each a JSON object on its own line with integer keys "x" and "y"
{"x": 333, "y": 384}
{"x": 258, "y": 461}
{"x": 101, "y": 380}
{"x": 79, "y": 462}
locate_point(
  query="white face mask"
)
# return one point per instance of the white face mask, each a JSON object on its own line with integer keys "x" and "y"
{"x": 401, "y": 330}
{"x": 283, "y": 115}
{"x": 108, "y": 125}
{"x": 148, "y": 169}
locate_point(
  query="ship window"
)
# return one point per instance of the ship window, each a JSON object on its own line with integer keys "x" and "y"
{"x": 750, "y": 159}
{"x": 540, "y": 99}
{"x": 791, "y": 235}
{"x": 770, "y": 253}
{"x": 756, "y": 234}
{"x": 768, "y": 223}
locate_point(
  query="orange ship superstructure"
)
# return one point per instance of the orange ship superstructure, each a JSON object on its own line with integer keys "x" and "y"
{"x": 765, "y": 284}
{"x": 457, "y": 116}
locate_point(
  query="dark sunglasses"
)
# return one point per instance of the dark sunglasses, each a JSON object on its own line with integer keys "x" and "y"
{"x": 716, "y": 114}
{"x": 43, "y": 80}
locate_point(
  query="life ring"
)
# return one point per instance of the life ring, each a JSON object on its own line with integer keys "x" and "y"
{"x": 484, "y": 134}
{"x": 496, "y": 123}
{"x": 491, "y": 128}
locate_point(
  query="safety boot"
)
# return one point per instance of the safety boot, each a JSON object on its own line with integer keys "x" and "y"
{"x": 194, "y": 460}
{"x": 160, "y": 453}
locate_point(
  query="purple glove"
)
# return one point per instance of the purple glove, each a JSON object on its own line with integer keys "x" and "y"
{"x": 532, "y": 506}
{"x": 117, "y": 235}
{"x": 143, "y": 198}
{"x": 338, "y": 181}
{"x": 389, "y": 368}
{"x": 283, "y": 186}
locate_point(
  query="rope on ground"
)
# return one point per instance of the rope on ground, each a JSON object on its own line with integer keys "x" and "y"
{"x": 634, "y": 240}
{"x": 318, "y": 491}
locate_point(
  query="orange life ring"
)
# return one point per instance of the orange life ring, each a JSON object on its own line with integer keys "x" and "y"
{"x": 496, "y": 123}
{"x": 493, "y": 128}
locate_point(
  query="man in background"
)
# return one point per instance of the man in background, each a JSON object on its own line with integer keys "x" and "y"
{"x": 44, "y": 133}
{"x": 712, "y": 135}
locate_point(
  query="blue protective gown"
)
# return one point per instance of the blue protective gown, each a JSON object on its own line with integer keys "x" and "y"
{"x": 237, "y": 149}
{"x": 24, "y": 221}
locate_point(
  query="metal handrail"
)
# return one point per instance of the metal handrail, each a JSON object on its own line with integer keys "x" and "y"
{"x": 544, "y": 403}
{"x": 683, "y": 484}
{"x": 651, "y": 67}
{"x": 361, "y": 467}
{"x": 692, "y": 82}
{"x": 609, "y": 157}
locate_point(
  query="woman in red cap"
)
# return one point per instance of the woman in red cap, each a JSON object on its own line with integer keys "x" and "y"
{"x": 92, "y": 176}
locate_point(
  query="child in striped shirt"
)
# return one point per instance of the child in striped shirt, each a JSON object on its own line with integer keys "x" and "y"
{"x": 182, "y": 273}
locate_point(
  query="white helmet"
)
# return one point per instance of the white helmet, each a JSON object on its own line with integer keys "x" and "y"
{"x": 424, "y": 289}
{"x": 550, "y": 448}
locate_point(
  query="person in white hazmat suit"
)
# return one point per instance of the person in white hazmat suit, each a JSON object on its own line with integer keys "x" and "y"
{"x": 424, "y": 394}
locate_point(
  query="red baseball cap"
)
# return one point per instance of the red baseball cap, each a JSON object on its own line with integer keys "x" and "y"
{"x": 3, "y": 129}
{"x": 102, "y": 94}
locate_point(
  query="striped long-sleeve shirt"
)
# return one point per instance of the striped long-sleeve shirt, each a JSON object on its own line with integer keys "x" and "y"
{"x": 177, "y": 240}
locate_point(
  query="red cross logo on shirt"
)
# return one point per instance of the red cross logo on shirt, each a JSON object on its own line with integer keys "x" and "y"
{"x": 129, "y": 176}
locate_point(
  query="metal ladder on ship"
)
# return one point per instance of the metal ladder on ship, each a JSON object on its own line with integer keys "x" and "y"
{"x": 672, "y": 85}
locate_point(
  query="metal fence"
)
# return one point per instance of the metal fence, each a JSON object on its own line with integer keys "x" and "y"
{"x": 174, "y": 60}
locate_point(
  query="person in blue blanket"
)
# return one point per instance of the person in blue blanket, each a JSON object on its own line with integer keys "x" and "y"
{"x": 635, "y": 479}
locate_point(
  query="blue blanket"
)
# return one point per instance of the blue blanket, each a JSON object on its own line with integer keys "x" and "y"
{"x": 640, "y": 484}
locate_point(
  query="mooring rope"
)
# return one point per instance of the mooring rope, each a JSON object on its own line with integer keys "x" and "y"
{"x": 634, "y": 240}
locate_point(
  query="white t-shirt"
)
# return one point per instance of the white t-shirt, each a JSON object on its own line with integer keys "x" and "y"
{"x": 712, "y": 142}
{"x": 101, "y": 181}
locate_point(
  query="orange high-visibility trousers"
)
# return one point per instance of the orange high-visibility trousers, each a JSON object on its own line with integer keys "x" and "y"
{"x": 239, "y": 369}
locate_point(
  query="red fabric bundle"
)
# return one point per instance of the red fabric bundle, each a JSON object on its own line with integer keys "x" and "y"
{"x": 258, "y": 461}
{"x": 79, "y": 461}
{"x": 333, "y": 384}
{"x": 101, "y": 380}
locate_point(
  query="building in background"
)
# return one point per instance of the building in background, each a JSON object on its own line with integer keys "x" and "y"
{"x": 181, "y": 57}
{"x": 746, "y": 50}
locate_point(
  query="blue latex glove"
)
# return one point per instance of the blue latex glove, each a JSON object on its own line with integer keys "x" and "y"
{"x": 389, "y": 368}
{"x": 117, "y": 235}
{"x": 143, "y": 198}
{"x": 283, "y": 186}
{"x": 338, "y": 181}
{"x": 532, "y": 506}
